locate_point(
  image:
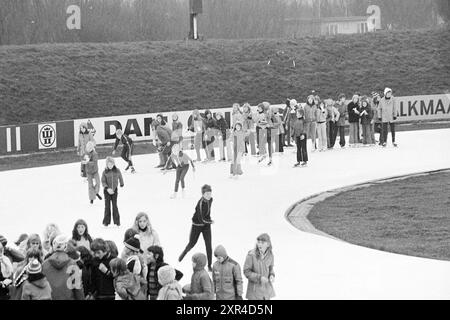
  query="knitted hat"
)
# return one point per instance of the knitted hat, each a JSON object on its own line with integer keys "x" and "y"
{"x": 166, "y": 275}
{"x": 375, "y": 94}
{"x": 386, "y": 90}
{"x": 90, "y": 146}
{"x": 220, "y": 252}
{"x": 34, "y": 267}
{"x": 206, "y": 188}
{"x": 200, "y": 260}
{"x": 60, "y": 243}
{"x": 133, "y": 244}
{"x": 3, "y": 240}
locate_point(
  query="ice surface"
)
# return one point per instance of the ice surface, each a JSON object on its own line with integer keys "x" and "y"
{"x": 307, "y": 266}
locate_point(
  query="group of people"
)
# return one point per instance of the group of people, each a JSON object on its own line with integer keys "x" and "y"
{"x": 58, "y": 267}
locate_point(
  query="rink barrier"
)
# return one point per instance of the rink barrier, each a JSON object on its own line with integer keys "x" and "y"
{"x": 57, "y": 135}
{"x": 297, "y": 213}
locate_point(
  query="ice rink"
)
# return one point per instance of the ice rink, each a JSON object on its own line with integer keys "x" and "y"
{"x": 306, "y": 266}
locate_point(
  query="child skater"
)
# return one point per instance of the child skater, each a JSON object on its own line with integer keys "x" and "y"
{"x": 198, "y": 127}
{"x": 91, "y": 167}
{"x": 181, "y": 160}
{"x": 366, "y": 119}
{"x": 127, "y": 149}
{"x": 238, "y": 138}
{"x": 110, "y": 180}
{"x": 299, "y": 135}
{"x": 83, "y": 138}
{"x": 353, "y": 119}
{"x": 321, "y": 117}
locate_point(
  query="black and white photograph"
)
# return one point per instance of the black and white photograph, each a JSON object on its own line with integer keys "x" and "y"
{"x": 243, "y": 151}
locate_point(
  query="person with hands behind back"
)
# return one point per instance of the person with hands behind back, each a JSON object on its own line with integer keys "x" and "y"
{"x": 110, "y": 181}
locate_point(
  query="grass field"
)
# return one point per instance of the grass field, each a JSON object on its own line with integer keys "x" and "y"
{"x": 69, "y": 81}
{"x": 409, "y": 216}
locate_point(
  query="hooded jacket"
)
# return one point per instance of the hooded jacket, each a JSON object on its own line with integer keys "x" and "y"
{"x": 37, "y": 290}
{"x": 255, "y": 267}
{"x": 64, "y": 277}
{"x": 227, "y": 277}
{"x": 170, "y": 289}
{"x": 128, "y": 287}
{"x": 310, "y": 110}
{"x": 201, "y": 284}
{"x": 388, "y": 109}
{"x": 83, "y": 139}
{"x": 92, "y": 165}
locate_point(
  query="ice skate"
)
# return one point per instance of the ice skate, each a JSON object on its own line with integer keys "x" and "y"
{"x": 128, "y": 167}
{"x": 395, "y": 144}
{"x": 269, "y": 163}
{"x": 304, "y": 164}
{"x": 132, "y": 170}
{"x": 262, "y": 159}
{"x": 99, "y": 196}
{"x": 173, "y": 196}
{"x": 91, "y": 202}
{"x": 297, "y": 164}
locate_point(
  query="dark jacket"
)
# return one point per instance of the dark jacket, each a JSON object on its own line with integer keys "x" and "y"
{"x": 211, "y": 128}
{"x": 163, "y": 134}
{"x": 102, "y": 283}
{"x": 367, "y": 117}
{"x": 92, "y": 165}
{"x": 342, "y": 109}
{"x": 201, "y": 287}
{"x": 202, "y": 213}
{"x": 352, "y": 116}
{"x": 86, "y": 277}
{"x": 227, "y": 280}
{"x": 223, "y": 127}
{"x": 60, "y": 270}
{"x": 111, "y": 178}
{"x": 126, "y": 141}
{"x": 298, "y": 128}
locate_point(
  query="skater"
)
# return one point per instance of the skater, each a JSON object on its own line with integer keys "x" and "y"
{"x": 36, "y": 286}
{"x": 288, "y": 120}
{"x": 366, "y": 119}
{"x": 80, "y": 234}
{"x": 126, "y": 284}
{"x": 258, "y": 269}
{"x": 310, "y": 121}
{"x": 181, "y": 161}
{"x": 127, "y": 149}
{"x": 83, "y": 138}
{"x": 177, "y": 130}
{"x": 299, "y": 135}
{"x": 227, "y": 276}
{"x": 91, "y": 167}
{"x": 249, "y": 129}
{"x": 343, "y": 114}
{"x": 388, "y": 115}
{"x": 332, "y": 118}
{"x": 102, "y": 278}
{"x": 111, "y": 178}
{"x": 198, "y": 127}
{"x": 375, "y": 123}
{"x": 211, "y": 130}
{"x": 201, "y": 286}
{"x": 156, "y": 261}
{"x": 170, "y": 288}
{"x": 321, "y": 120}
{"x": 353, "y": 109}
{"x": 223, "y": 135}
{"x": 147, "y": 235}
{"x": 238, "y": 138}
{"x": 163, "y": 134}
{"x": 201, "y": 224}
{"x": 278, "y": 130}
{"x": 63, "y": 273}
{"x": 236, "y": 115}
{"x": 264, "y": 130}
{"x": 6, "y": 273}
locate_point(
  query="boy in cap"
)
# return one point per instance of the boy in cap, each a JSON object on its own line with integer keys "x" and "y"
{"x": 201, "y": 224}
{"x": 127, "y": 149}
{"x": 227, "y": 277}
{"x": 388, "y": 113}
{"x": 36, "y": 287}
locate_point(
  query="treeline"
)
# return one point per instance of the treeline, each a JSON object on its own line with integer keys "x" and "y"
{"x": 38, "y": 21}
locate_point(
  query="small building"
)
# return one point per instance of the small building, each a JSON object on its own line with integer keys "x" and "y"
{"x": 298, "y": 27}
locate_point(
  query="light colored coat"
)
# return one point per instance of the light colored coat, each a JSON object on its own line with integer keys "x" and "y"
{"x": 388, "y": 109}
{"x": 255, "y": 267}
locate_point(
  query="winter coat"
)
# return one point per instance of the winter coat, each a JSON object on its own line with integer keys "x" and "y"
{"x": 238, "y": 138}
{"x": 37, "y": 290}
{"x": 211, "y": 128}
{"x": 343, "y": 112}
{"x": 278, "y": 123}
{"x": 227, "y": 279}
{"x": 102, "y": 283}
{"x": 86, "y": 277}
{"x": 197, "y": 125}
{"x": 367, "y": 117}
{"x": 177, "y": 131}
{"x": 235, "y": 118}
{"x": 201, "y": 287}
{"x": 388, "y": 109}
{"x": 83, "y": 139}
{"x": 111, "y": 178}
{"x": 352, "y": 115}
{"x": 298, "y": 128}
{"x": 321, "y": 114}
{"x": 375, "y": 111}
{"x": 256, "y": 267}
{"x": 170, "y": 291}
{"x": 60, "y": 270}
{"x": 92, "y": 165}
{"x": 223, "y": 127}
{"x": 310, "y": 113}
{"x": 263, "y": 120}
{"x": 202, "y": 214}
{"x": 332, "y": 113}
{"x": 163, "y": 134}
{"x": 128, "y": 287}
